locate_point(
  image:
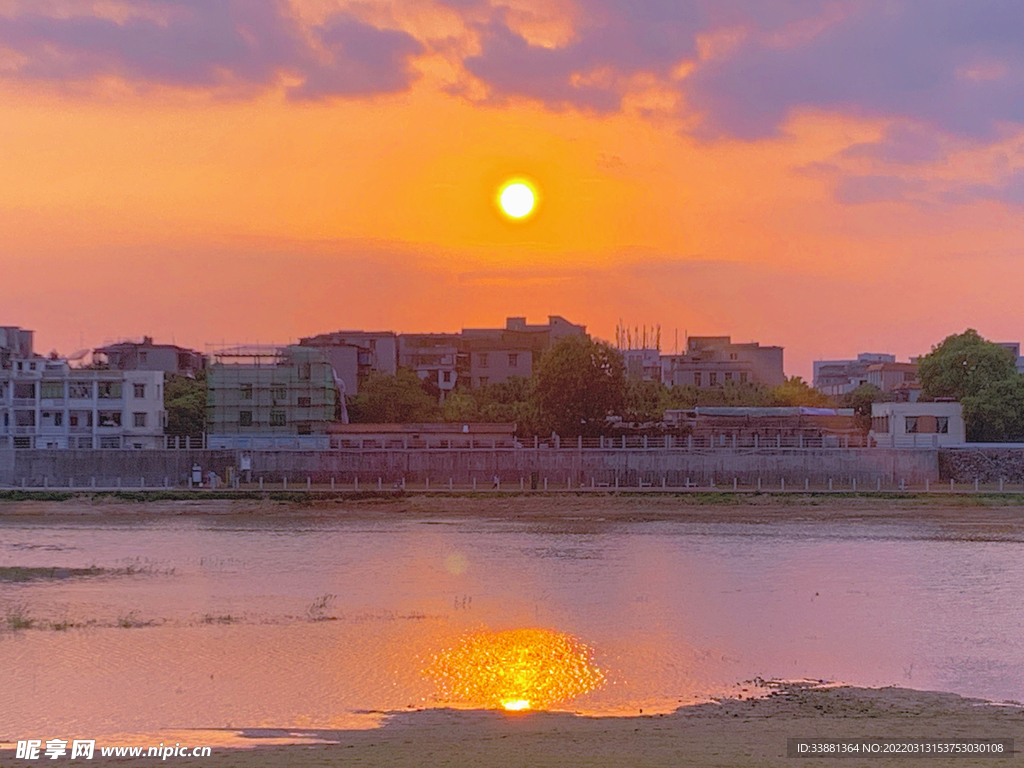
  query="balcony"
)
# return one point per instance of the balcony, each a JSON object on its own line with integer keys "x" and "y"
{"x": 24, "y": 430}
{"x": 24, "y": 401}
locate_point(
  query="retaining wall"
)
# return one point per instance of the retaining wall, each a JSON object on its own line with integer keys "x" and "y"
{"x": 630, "y": 467}
{"x": 986, "y": 465}
{"x": 108, "y": 469}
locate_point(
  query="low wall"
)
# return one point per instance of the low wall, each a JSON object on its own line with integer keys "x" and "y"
{"x": 109, "y": 469}
{"x": 986, "y": 465}
{"x": 628, "y": 467}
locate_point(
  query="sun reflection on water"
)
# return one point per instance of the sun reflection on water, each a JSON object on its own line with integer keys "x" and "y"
{"x": 515, "y": 669}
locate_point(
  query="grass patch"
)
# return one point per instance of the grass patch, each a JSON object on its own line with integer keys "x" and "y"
{"x": 16, "y": 574}
{"x": 225, "y": 619}
{"x": 18, "y": 618}
{"x": 317, "y": 610}
{"x": 131, "y": 620}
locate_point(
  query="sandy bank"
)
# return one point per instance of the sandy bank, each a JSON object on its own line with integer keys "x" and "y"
{"x": 730, "y": 733}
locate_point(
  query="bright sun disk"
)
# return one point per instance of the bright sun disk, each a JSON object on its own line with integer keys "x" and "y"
{"x": 517, "y": 199}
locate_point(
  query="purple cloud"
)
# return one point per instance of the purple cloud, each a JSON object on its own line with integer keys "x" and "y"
{"x": 234, "y": 43}
{"x": 947, "y": 65}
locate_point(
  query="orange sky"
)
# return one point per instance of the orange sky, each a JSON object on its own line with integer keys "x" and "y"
{"x": 130, "y": 206}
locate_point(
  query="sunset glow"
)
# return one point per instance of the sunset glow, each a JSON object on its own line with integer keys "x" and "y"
{"x": 332, "y": 165}
{"x": 515, "y": 670}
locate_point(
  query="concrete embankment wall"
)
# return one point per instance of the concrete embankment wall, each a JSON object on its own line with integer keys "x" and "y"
{"x": 107, "y": 469}
{"x": 629, "y": 467}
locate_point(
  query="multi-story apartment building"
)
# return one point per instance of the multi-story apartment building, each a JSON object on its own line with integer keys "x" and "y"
{"x": 272, "y": 391}
{"x": 496, "y": 354}
{"x": 434, "y": 356}
{"x": 146, "y": 356}
{"x": 711, "y": 361}
{"x": 357, "y": 354}
{"x": 45, "y": 403}
{"x": 839, "y": 377}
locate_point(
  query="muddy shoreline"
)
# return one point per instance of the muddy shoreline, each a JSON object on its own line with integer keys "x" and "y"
{"x": 732, "y": 732}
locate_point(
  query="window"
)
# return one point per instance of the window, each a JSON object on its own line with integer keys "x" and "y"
{"x": 696, "y": 379}
{"x": 139, "y": 419}
{"x": 481, "y": 360}
{"x": 25, "y": 390}
{"x": 109, "y": 390}
{"x": 58, "y": 418}
{"x": 304, "y": 402}
{"x": 728, "y": 376}
{"x": 140, "y": 391}
{"x": 143, "y": 356}
{"x": 732, "y": 355}
{"x": 911, "y": 424}
{"x": 712, "y": 379}
{"x": 279, "y": 393}
{"x": 483, "y": 381}
{"x": 513, "y": 360}
{"x": 743, "y": 377}
{"x": 942, "y": 424}
{"x": 278, "y": 419}
{"x": 246, "y": 391}
{"x": 109, "y": 418}
{"x": 245, "y": 418}
{"x": 110, "y": 442}
{"x": 24, "y": 418}
{"x": 446, "y": 376}
{"x": 304, "y": 429}
{"x": 51, "y": 390}
{"x": 80, "y": 390}
{"x": 305, "y": 371}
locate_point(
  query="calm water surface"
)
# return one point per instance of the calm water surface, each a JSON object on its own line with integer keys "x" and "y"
{"x": 302, "y": 622}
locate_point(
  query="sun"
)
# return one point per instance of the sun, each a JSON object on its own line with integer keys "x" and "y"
{"x": 517, "y": 199}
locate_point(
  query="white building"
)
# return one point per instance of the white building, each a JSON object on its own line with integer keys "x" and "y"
{"x": 47, "y": 404}
{"x": 917, "y": 425}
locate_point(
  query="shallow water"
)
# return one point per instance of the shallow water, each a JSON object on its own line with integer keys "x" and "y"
{"x": 235, "y": 622}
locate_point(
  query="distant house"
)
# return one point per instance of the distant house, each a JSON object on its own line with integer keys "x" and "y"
{"x": 921, "y": 425}
{"x": 840, "y": 377}
{"x": 495, "y": 355}
{"x": 354, "y": 355}
{"x": 711, "y": 361}
{"x": 893, "y": 377}
{"x": 146, "y": 356}
{"x": 437, "y": 357}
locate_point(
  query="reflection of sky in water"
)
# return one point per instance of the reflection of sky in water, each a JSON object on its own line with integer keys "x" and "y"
{"x": 675, "y": 612}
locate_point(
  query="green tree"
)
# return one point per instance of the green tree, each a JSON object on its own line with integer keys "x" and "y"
{"x": 398, "y": 399}
{"x": 185, "y": 404}
{"x": 795, "y": 391}
{"x": 645, "y": 401}
{"x": 580, "y": 382}
{"x": 461, "y": 407}
{"x": 996, "y": 414}
{"x": 732, "y": 394}
{"x": 964, "y": 365}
